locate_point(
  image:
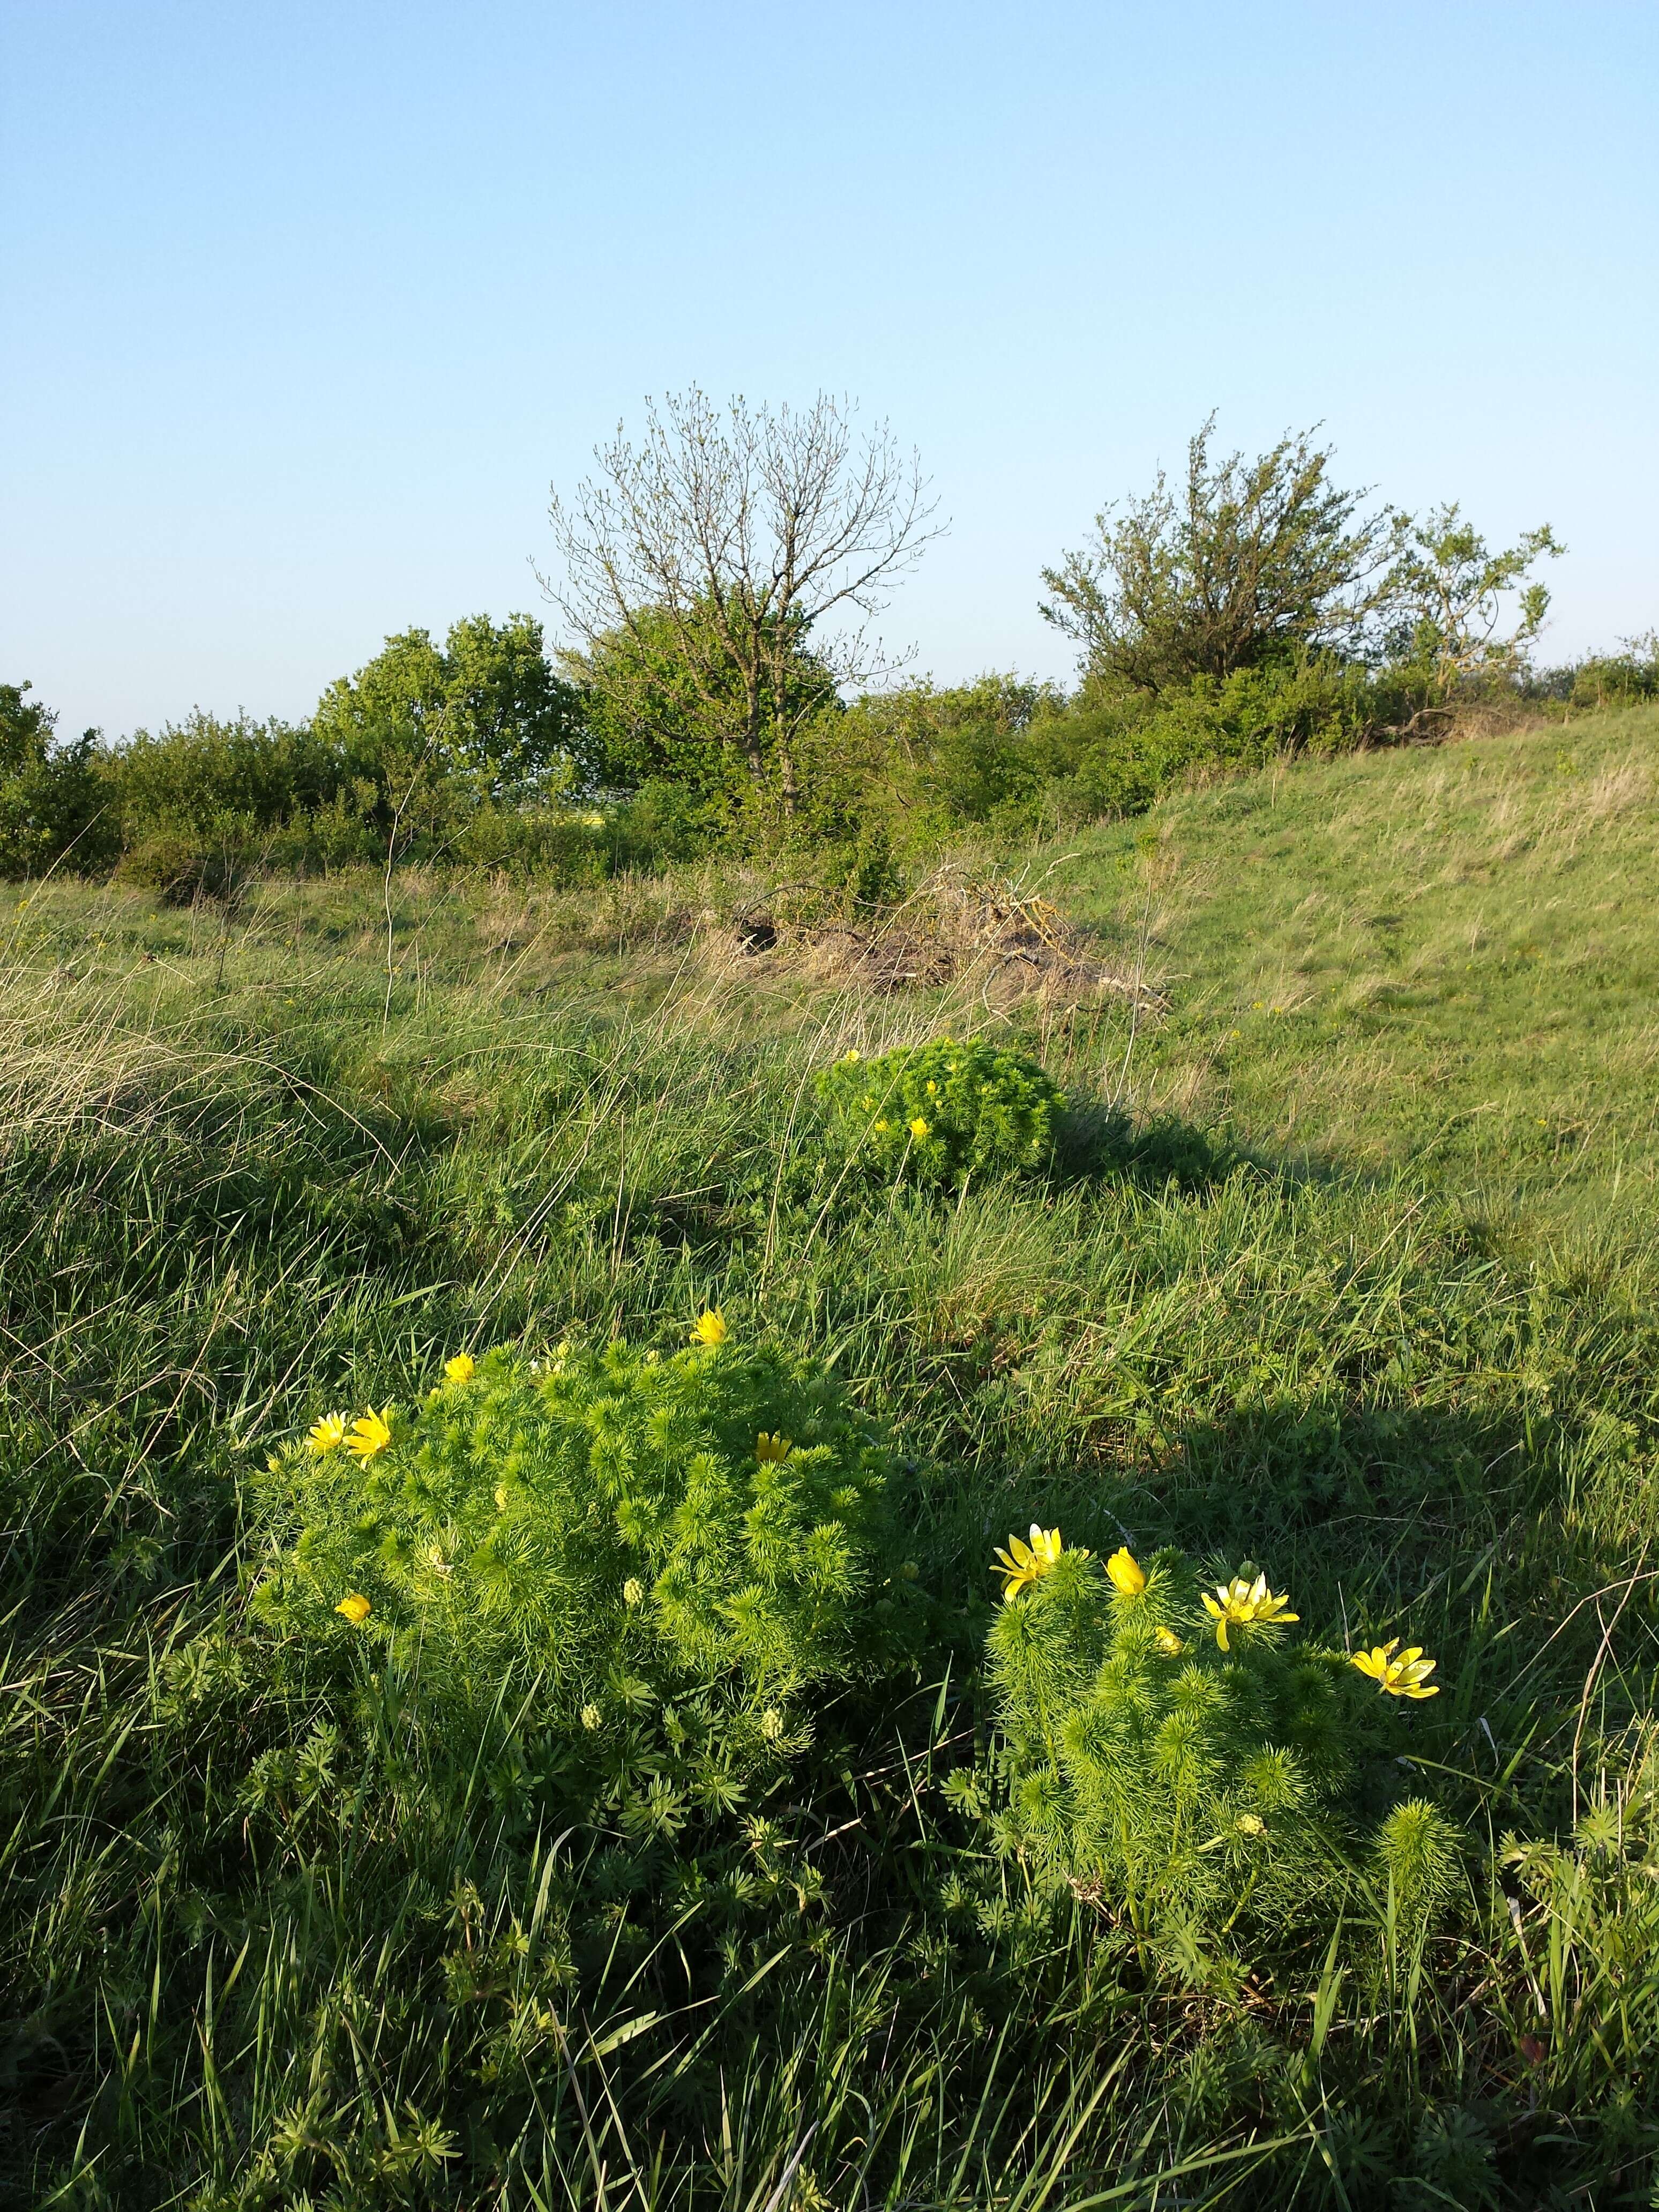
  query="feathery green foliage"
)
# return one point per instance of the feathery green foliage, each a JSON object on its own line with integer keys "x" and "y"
{"x": 615, "y": 1527}
{"x": 943, "y": 1111}
{"x": 1191, "y": 1788}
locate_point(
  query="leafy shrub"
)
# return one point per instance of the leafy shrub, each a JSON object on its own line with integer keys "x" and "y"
{"x": 612, "y": 1536}
{"x": 941, "y": 1112}
{"x": 55, "y": 803}
{"x": 1616, "y": 679}
{"x": 199, "y": 778}
{"x": 181, "y": 865}
{"x": 1172, "y": 1756}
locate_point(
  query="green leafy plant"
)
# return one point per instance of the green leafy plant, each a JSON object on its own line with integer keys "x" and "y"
{"x": 607, "y": 1535}
{"x": 942, "y": 1112}
{"x": 1172, "y": 1756}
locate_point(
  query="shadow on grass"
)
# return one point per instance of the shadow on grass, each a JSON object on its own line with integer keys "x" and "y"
{"x": 1097, "y": 1142}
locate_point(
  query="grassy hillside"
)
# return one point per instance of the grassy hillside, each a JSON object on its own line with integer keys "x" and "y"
{"x": 1342, "y": 1267}
{"x": 1440, "y": 963}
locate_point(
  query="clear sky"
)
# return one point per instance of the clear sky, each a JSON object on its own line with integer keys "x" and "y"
{"x": 306, "y": 302}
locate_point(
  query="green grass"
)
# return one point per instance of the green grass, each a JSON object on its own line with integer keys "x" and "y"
{"x": 1312, "y": 1292}
{"x": 1438, "y": 963}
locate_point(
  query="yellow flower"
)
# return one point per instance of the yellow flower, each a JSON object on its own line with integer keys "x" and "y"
{"x": 851, "y": 1056}
{"x": 1022, "y": 1564}
{"x": 1170, "y": 1643}
{"x": 881, "y": 1128}
{"x": 328, "y": 1434}
{"x": 1403, "y": 1677}
{"x": 1246, "y": 1604}
{"x": 356, "y": 1608}
{"x": 633, "y": 1591}
{"x": 710, "y": 1327}
{"x": 1250, "y": 1824}
{"x": 918, "y": 1128}
{"x": 371, "y": 1432}
{"x": 500, "y": 1497}
{"x": 1126, "y": 1572}
{"x": 592, "y": 1716}
{"x": 772, "y": 1447}
{"x": 462, "y": 1368}
{"x": 932, "y": 1091}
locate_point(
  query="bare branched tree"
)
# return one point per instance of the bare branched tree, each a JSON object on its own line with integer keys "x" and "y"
{"x": 735, "y": 535}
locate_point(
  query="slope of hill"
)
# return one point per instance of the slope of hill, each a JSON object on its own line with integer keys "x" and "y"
{"x": 1440, "y": 961}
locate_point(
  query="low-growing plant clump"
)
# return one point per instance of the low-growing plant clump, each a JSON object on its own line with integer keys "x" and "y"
{"x": 1171, "y": 1755}
{"x": 943, "y": 1112}
{"x": 610, "y": 1545}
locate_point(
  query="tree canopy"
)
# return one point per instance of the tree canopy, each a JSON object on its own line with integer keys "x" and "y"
{"x": 725, "y": 541}
{"x": 1241, "y": 563}
{"x": 486, "y": 705}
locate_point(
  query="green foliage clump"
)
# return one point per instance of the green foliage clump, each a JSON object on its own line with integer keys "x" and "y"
{"x": 1179, "y": 1781}
{"x": 943, "y": 1111}
{"x": 482, "y": 717}
{"x": 54, "y": 804}
{"x": 608, "y": 1533}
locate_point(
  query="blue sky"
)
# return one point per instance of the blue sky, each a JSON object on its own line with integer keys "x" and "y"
{"x": 305, "y": 305}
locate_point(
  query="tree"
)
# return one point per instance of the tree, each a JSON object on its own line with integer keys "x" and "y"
{"x": 26, "y": 728}
{"x": 488, "y": 708}
{"x": 647, "y": 706}
{"x": 735, "y": 537}
{"x": 1446, "y": 596}
{"x": 55, "y": 803}
{"x": 1248, "y": 562}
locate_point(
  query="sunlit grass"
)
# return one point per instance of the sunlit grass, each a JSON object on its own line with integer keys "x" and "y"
{"x": 1343, "y": 1316}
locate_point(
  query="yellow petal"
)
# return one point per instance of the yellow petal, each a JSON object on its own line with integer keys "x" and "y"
{"x": 371, "y": 1432}
{"x": 462, "y": 1368}
{"x": 1125, "y": 1571}
{"x": 356, "y": 1608}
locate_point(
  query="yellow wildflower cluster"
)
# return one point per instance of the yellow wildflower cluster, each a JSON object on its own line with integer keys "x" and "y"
{"x": 371, "y": 1432}
{"x": 1244, "y": 1602}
